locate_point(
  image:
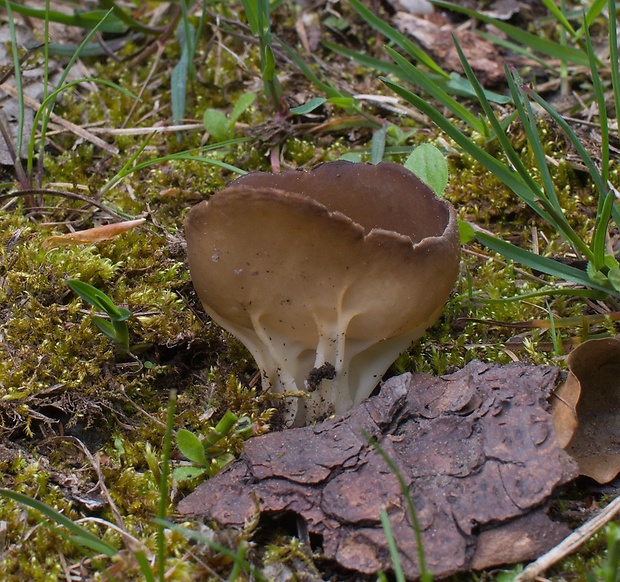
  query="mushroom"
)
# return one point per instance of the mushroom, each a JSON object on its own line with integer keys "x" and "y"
{"x": 325, "y": 275}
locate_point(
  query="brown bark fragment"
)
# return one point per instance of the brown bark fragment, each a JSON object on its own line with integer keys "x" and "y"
{"x": 476, "y": 448}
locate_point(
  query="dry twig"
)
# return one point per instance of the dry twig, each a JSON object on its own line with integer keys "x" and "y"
{"x": 571, "y": 543}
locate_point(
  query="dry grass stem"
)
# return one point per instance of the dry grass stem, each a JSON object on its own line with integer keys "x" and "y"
{"x": 72, "y": 127}
{"x": 571, "y": 543}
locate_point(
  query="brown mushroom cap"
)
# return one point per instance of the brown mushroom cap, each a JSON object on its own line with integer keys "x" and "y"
{"x": 344, "y": 265}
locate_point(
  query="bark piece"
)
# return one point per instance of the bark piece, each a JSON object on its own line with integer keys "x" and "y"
{"x": 476, "y": 448}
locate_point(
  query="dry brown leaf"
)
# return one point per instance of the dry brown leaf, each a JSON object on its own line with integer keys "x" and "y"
{"x": 484, "y": 57}
{"x": 586, "y": 409}
{"x": 92, "y": 235}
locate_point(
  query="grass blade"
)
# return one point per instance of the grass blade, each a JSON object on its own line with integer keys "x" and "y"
{"x": 97, "y": 545}
{"x": 543, "y": 264}
{"x": 613, "y": 56}
{"x": 599, "y": 96}
{"x": 81, "y": 534}
{"x": 163, "y": 487}
{"x": 18, "y": 82}
{"x": 454, "y": 85}
{"x": 508, "y": 176}
{"x": 606, "y": 198}
{"x": 325, "y": 86}
{"x": 425, "y": 574}
{"x": 583, "y": 154}
{"x": 559, "y": 17}
{"x": 83, "y": 19}
{"x": 184, "y": 155}
{"x": 503, "y": 140}
{"x": 50, "y": 106}
{"x": 180, "y": 74}
{"x": 391, "y": 542}
{"x": 127, "y": 19}
{"x": 528, "y": 121}
{"x": 542, "y": 45}
{"x": 250, "y": 7}
{"x": 595, "y": 9}
{"x": 518, "y": 49}
{"x": 44, "y": 111}
{"x": 396, "y": 37}
{"x": 409, "y": 72}
{"x": 145, "y": 566}
{"x": 376, "y": 65}
{"x": 193, "y": 535}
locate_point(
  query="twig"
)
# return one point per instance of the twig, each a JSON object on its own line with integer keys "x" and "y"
{"x": 571, "y": 543}
{"x": 145, "y": 130}
{"x": 71, "y": 195}
{"x": 72, "y": 127}
{"x": 15, "y": 156}
{"x": 95, "y": 464}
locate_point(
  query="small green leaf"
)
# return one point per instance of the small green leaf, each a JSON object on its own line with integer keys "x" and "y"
{"x": 187, "y": 473}
{"x": 309, "y": 106}
{"x": 244, "y": 428}
{"x": 429, "y": 164}
{"x": 117, "y": 331}
{"x": 355, "y": 157}
{"x": 217, "y": 124}
{"x": 218, "y": 464}
{"x": 269, "y": 64}
{"x": 377, "y": 145}
{"x": 466, "y": 232}
{"x": 240, "y": 106}
{"x": 614, "y": 278}
{"x": 98, "y": 299}
{"x": 594, "y": 275}
{"x": 191, "y": 447}
{"x": 344, "y": 102}
{"x": 118, "y": 445}
{"x": 336, "y": 23}
{"x": 180, "y": 73}
{"x": 611, "y": 262}
{"x": 105, "y": 326}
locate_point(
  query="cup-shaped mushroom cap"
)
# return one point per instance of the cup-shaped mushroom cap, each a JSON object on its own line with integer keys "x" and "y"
{"x": 326, "y": 276}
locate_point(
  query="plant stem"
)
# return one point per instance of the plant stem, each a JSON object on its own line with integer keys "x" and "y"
{"x": 163, "y": 487}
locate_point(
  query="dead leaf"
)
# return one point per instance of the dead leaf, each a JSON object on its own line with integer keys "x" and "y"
{"x": 586, "y": 408}
{"x": 483, "y": 56}
{"x": 477, "y": 449}
{"x": 503, "y": 9}
{"x": 92, "y": 235}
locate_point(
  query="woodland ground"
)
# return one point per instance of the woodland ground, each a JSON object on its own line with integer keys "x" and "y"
{"x": 83, "y": 420}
